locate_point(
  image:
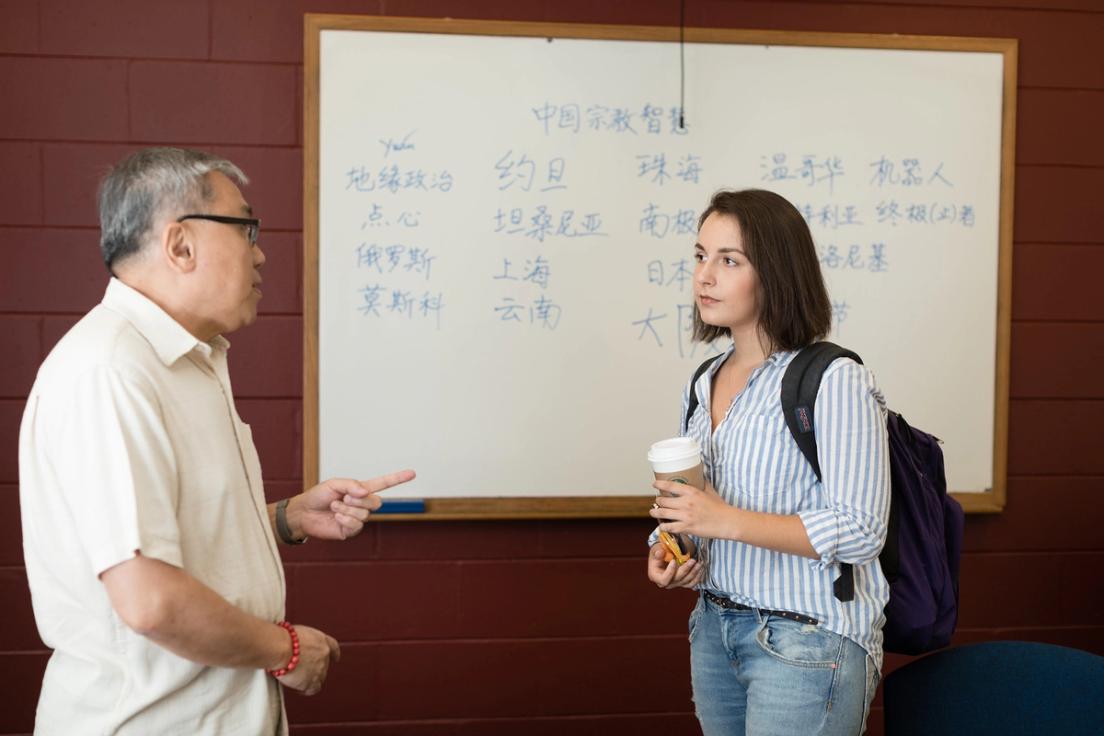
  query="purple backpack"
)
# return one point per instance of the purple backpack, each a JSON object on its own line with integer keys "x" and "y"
{"x": 924, "y": 536}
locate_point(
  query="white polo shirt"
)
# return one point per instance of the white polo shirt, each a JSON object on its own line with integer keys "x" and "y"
{"x": 130, "y": 442}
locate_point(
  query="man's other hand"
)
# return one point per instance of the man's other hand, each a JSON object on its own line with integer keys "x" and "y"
{"x": 317, "y": 651}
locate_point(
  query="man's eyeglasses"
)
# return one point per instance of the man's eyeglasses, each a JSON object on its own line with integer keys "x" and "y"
{"x": 252, "y": 224}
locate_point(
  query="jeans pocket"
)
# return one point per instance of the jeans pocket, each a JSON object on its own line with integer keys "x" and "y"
{"x": 799, "y": 644}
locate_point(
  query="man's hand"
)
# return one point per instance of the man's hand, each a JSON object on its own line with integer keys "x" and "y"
{"x": 174, "y": 610}
{"x": 671, "y": 574}
{"x": 337, "y": 508}
{"x": 316, "y": 652}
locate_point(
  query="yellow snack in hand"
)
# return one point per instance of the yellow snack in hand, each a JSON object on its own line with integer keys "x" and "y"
{"x": 674, "y": 551}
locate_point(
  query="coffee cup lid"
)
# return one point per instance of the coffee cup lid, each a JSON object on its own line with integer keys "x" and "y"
{"x": 677, "y": 453}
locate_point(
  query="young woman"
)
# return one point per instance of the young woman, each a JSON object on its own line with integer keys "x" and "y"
{"x": 772, "y": 651}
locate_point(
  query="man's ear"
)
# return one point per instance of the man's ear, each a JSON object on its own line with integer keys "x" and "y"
{"x": 178, "y": 247}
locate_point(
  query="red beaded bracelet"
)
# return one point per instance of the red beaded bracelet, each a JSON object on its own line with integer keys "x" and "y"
{"x": 294, "y": 661}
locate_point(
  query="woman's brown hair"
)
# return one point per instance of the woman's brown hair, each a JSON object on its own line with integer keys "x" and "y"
{"x": 794, "y": 309}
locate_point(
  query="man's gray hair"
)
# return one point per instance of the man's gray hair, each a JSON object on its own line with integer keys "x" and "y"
{"x": 149, "y": 183}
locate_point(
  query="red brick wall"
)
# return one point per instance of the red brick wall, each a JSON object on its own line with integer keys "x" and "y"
{"x": 512, "y": 627}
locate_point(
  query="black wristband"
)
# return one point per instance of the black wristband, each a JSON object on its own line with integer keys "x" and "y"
{"x": 282, "y": 527}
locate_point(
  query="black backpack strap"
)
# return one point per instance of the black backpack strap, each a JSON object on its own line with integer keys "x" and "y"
{"x": 800, "y": 384}
{"x": 693, "y": 405}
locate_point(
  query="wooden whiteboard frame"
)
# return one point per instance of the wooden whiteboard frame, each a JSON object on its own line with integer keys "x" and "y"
{"x": 522, "y": 507}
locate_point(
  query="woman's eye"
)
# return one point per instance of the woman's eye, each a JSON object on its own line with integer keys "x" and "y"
{"x": 699, "y": 257}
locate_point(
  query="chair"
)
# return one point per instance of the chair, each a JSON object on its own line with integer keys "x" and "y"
{"x": 1002, "y": 688}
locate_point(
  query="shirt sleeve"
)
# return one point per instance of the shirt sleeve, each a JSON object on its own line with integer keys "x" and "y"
{"x": 852, "y": 446}
{"x": 117, "y": 470}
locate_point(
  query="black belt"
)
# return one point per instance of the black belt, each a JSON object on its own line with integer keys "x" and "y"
{"x": 734, "y": 606}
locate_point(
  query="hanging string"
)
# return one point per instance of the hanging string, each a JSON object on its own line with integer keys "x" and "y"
{"x": 682, "y": 64}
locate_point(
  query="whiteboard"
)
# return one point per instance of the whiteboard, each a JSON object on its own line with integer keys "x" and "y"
{"x": 505, "y": 229}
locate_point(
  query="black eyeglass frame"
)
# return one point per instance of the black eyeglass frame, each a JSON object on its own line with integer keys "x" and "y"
{"x": 252, "y": 223}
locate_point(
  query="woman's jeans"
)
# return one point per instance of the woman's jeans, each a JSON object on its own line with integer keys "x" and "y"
{"x": 763, "y": 675}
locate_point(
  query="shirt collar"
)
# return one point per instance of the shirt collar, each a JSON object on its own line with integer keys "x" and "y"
{"x": 716, "y": 364}
{"x": 168, "y": 337}
{"x": 779, "y": 358}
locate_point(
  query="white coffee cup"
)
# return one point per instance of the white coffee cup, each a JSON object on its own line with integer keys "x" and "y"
{"x": 678, "y": 459}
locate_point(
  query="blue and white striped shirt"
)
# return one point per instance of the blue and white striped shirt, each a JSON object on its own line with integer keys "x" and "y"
{"x": 754, "y": 463}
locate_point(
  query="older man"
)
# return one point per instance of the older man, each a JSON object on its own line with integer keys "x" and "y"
{"x": 151, "y": 553}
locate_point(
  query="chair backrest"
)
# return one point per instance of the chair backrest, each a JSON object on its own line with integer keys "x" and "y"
{"x": 1003, "y": 688}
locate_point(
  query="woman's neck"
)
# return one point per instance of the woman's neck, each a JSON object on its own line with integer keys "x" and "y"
{"x": 749, "y": 346}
